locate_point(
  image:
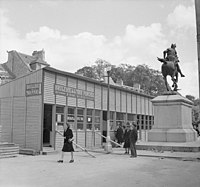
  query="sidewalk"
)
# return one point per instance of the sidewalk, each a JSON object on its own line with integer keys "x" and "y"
{"x": 156, "y": 153}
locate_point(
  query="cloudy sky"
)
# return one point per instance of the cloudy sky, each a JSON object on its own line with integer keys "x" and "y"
{"x": 74, "y": 33}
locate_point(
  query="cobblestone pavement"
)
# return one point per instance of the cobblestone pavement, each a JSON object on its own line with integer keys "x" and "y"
{"x": 113, "y": 170}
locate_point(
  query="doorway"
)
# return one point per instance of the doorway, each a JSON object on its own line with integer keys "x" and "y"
{"x": 47, "y": 126}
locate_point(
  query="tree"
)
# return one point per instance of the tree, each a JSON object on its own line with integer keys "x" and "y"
{"x": 195, "y": 110}
{"x": 150, "y": 80}
{"x": 87, "y": 72}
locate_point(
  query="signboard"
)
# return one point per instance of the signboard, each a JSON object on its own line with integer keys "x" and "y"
{"x": 33, "y": 89}
{"x": 73, "y": 92}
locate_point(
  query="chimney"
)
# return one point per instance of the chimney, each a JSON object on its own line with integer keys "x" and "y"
{"x": 119, "y": 82}
{"x": 39, "y": 54}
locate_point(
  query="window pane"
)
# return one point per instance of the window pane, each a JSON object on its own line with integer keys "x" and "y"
{"x": 80, "y": 111}
{"x": 70, "y": 118}
{"x": 59, "y": 109}
{"x": 89, "y": 112}
{"x": 97, "y": 127}
{"x": 89, "y": 119}
{"x": 112, "y": 115}
{"x": 97, "y": 119}
{"x": 59, "y": 118}
{"x": 80, "y": 118}
{"x": 71, "y": 111}
{"x": 79, "y": 126}
{"x": 97, "y": 113}
{"x": 89, "y": 126}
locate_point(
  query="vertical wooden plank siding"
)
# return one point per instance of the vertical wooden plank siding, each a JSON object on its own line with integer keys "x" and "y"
{"x": 19, "y": 120}
{"x": 81, "y": 103}
{"x": 90, "y": 87}
{"x": 33, "y": 122}
{"x": 72, "y": 82}
{"x": 134, "y": 104}
{"x": 0, "y": 123}
{"x": 97, "y": 97}
{"x": 90, "y": 104}
{"x": 49, "y": 81}
{"x": 34, "y": 77}
{"x": 138, "y": 104}
{"x": 19, "y": 87}
{"x": 105, "y": 98}
{"x": 146, "y": 106}
{"x": 150, "y": 107}
{"x": 6, "y": 119}
{"x": 129, "y": 103}
{"x": 60, "y": 99}
{"x": 118, "y": 100}
{"x": 5, "y": 90}
{"x": 81, "y": 85}
{"x": 123, "y": 96}
{"x": 112, "y": 99}
{"x": 71, "y": 101}
{"x": 142, "y": 104}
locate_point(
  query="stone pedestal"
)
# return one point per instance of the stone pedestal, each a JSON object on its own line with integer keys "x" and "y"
{"x": 172, "y": 120}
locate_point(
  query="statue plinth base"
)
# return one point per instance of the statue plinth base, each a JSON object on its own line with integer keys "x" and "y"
{"x": 172, "y": 119}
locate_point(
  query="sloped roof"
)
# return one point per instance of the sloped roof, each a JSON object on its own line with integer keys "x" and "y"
{"x": 4, "y": 71}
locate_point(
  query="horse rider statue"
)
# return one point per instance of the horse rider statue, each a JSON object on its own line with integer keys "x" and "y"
{"x": 172, "y": 56}
{"x": 170, "y": 66}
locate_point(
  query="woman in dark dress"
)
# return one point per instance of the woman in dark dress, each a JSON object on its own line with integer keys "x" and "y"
{"x": 67, "y": 147}
{"x": 127, "y": 138}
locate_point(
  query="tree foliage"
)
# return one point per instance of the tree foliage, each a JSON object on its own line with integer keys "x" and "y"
{"x": 195, "y": 110}
{"x": 150, "y": 80}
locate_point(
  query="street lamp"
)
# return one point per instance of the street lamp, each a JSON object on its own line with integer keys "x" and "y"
{"x": 108, "y": 146}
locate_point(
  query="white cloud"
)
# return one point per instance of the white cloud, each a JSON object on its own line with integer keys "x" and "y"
{"x": 182, "y": 18}
{"x": 189, "y": 84}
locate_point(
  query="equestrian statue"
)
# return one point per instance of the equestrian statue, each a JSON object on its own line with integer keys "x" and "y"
{"x": 170, "y": 66}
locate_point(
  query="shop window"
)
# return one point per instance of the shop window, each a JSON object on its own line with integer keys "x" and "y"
{"x": 89, "y": 119}
{"x": 112, "y": 125}
{"x": 59, "y": 115}
{"x": 71, "y": 117}
{"x": 142, "y": 121}
{"x": 120, "y": 118}
{"x": 147, "y": 122}
{"x": 130, "y": 117}
{"x": 80, "y": 119}
{"x": 97, "y": 118}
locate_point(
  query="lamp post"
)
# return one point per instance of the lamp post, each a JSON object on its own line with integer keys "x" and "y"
{"x": 108, "y": 146}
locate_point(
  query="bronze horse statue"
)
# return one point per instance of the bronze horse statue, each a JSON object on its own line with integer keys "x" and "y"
{"x": 169, "y": 68}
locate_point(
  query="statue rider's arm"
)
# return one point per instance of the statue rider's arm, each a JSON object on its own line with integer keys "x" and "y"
{"x": 164, "y": 53}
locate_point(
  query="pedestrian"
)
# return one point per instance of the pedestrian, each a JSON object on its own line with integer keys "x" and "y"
{"x": 67, "y": 147}
{"x": 126, "y": 138}
{"x": 133, "y": 139}
{"x": 119, "y": 135}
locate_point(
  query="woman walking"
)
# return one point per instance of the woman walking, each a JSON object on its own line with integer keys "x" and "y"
{"x": 67, "y": 147}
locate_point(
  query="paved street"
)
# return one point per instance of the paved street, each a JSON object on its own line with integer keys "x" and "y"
{"x": 116, "y": 170}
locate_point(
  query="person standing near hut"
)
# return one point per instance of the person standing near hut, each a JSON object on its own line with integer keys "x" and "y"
{"x": 67, "y": 147}
{"x": 119, "y": 134}
{"x": 133, "y": 139}
{"x": 126, "y": 138}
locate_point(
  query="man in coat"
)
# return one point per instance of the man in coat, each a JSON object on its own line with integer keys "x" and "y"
{"x": 133, "y": 139}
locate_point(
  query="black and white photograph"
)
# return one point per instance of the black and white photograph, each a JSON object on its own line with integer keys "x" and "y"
{"x": 99, "y": 93}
